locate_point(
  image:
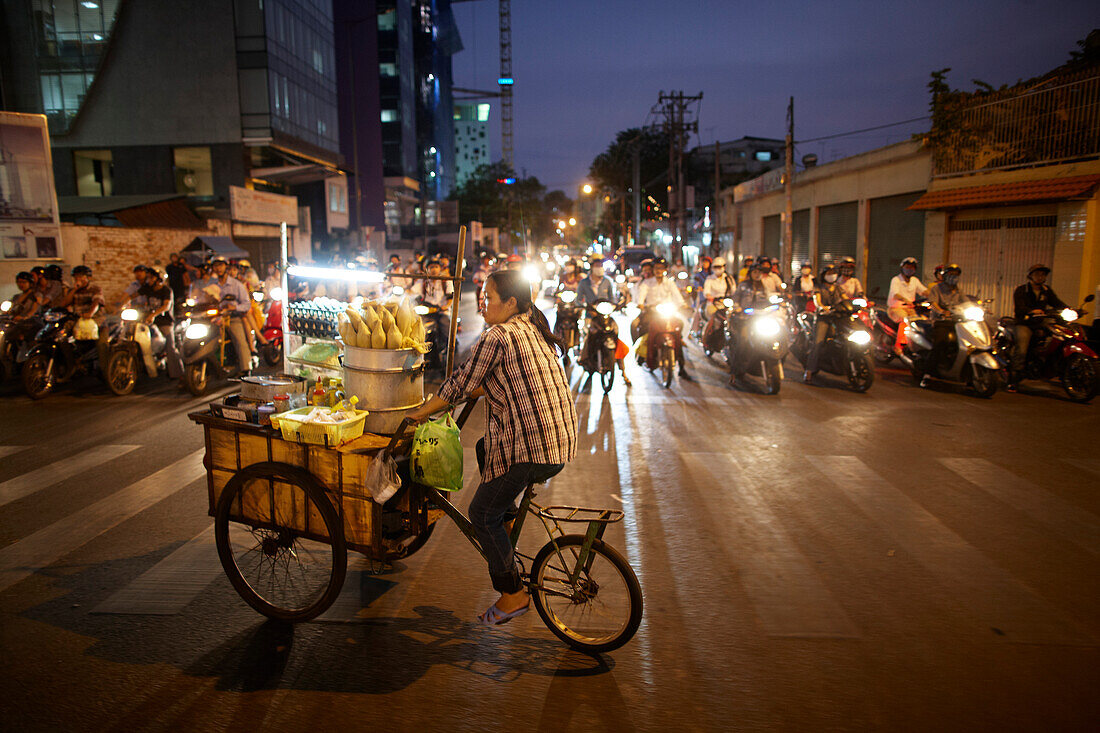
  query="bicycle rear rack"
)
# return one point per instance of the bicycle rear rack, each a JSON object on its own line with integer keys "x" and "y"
{"x": 580, "y": 514}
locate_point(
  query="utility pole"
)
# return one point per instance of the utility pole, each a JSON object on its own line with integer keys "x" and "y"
{"x": 637, "y": 186}
{"x": 674, "y": 108}
{"x": 506, "y": 81}
{"x": 715, "y": 231}
{"x": 788, "y": 183}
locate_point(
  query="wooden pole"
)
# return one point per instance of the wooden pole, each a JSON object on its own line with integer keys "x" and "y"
{"x": 459, "y": 267}
{"x": 788, "y": 180}
{"x": 715, "y": 230}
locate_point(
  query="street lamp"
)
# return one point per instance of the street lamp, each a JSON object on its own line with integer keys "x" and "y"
{"x": 587, "y": 188}
{"x": 572, "y": 221}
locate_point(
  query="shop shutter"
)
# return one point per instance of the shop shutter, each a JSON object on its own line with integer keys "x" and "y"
{"x": 893, "y": 234}
{"x": 800, "y": 249}
{"x": 995, "y": 253}
{"x": 836, "y": 232}
{"x": 773, "y": 235}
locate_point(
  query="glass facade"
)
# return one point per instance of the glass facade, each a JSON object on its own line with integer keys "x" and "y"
{"x": 70, "y": 39}
{"x": 302, "y": 70}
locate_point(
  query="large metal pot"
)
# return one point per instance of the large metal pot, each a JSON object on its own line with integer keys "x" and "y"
{"x": 263, "y": 388}
{"x": 388, "y": 383}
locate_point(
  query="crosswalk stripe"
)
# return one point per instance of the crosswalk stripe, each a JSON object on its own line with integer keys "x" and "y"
{"x": 16, "y": 488}
{"x": 7, "y": 450}
{"x": 990, "y": 593}
{"x": 25, "y": 557}
{"x": 1075, "y": 524}
{"x": 175, "y": 581}
{"x": 789, "y": 597}
{"x": 1091, "y": 465}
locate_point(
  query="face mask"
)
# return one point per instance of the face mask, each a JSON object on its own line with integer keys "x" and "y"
{"x": 719, "y": 269}
{"x": 908, "y": 271}
{"x": 951, "y": 279}
{"x": 831, "y": 277}
{"x": 765, "y": 270}
{"x": 806, "y": 271}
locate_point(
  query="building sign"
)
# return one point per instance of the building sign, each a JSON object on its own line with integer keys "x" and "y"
{"x": 770, "y": 181}
{"x": 261, "y": 207}
{"x": 29, "y": 225}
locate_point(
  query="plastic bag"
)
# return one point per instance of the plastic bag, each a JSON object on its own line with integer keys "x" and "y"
{"x": 86, "y": 329}
{"x": 437, "y": 455}
{"x": 382, "y": 480}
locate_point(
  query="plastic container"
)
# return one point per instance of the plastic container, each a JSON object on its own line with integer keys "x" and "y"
{"x": 326, "y": 434}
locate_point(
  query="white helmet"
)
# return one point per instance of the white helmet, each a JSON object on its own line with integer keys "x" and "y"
{"x": 718, "y": 262}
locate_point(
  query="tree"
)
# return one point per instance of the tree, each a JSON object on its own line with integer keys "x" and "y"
{"x": 513, "y": 207}
{"x": 612, "y": 171}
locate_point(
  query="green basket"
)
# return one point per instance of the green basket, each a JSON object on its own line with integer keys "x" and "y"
{"x": 326, "y": 434}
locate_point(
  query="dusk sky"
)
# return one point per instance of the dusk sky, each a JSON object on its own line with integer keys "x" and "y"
{"x": 585, "y": 69}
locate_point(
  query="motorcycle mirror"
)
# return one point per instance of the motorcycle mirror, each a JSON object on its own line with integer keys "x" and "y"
{"x": 1090, "y": 298}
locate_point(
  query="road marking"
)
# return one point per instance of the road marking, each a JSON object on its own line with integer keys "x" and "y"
{"x": 1091, "y": 465}
{"x": 1075, "y": 524}
{"x": 788, "y": 595}
{"x": 1000, "y": 601}
{"x": 56, "y": 472}
{"x": 24, "y": 558}
{"x": 7, "y": 450}
{"x": 175, "y": 581}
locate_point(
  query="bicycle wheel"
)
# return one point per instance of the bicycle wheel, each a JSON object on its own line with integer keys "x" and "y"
{"x": 273, "y": 565}
{"x": 598, "y": 613}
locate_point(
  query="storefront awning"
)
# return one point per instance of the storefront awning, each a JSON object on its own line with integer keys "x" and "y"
{"x": 223, "y": 246}
{"x": 1051, "y": 189}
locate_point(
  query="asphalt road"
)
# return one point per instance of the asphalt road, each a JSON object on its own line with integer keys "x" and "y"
{"x": 905, "y": 559}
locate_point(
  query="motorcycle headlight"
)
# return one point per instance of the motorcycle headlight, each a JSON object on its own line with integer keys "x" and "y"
{"x": 666, "y": 309}
{"x": 532, "y": 274}
{"x": 5, "y": 306}
{"x": 421, "y": 310}
{"x": 189, "y": 302}
{"x": 861, "y": 338}
{"x": 567, "y": 296}
{"x": 212, "y": 312}
{"x": 1069, "y": 315}
{"x": 859, "y": 303}
{"x": 129, "y": 314}
{"x": 605, "y": 309}
{"x": 196, "y": 331}
{"x": 682, "y": 276}
{"x": 766, "y": 327}
{"x": 775, "y": 299}
{"x": 620, "y": 279}
{"x": 258, "y": 297}
{"x": 974, "y": 313}
{"x": 727, "y": 302}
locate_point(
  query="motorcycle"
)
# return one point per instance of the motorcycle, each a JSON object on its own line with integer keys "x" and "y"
{"x": 57, "y": 356}
{"x": 138, "y": 343}
{"x": 663, "y": 341}
{"x": 566, "y": 326}
{"x": 436, "y": 358}
{"x": 601, "y": 342}
{"x": 207, "y": 349}
{"x": 16, "y": 340}
{"x": 1061, "y": 353}
{"x": 955, "y": 348}
{"x": 714, "y": 333}
{"x": 884, "y": 330}
{"x": 768, "y": 343}
{"x": 846, "y": 349}
{"x": 272, "y": 352}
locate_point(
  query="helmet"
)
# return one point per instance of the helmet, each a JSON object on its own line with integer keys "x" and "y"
{"x": 140, "y": 268}
{"x": 705, "y": 258}
{"x": 830, "y": 267}
{"x": 952, "y": 268}
{"x": 908, "y": 261}
{"x": 24, "y": 276}
{"x": 808, "y": 264}
{"x": 660, "y": 262}
{"x": 39, "y": 270}
{"x": 515, "y": 258}
{"x": 82, "y": 270}
{"x": 218, "y": 259}
{"x": 749, "y": 259}
{"x": 53, "y": 272}
{"x": 1036, "y": 268}
{"x": 848, "y": 264}
{"x": 433, "y": 261}
{"x": 243, "y": 263}
{"x": 937, "y": 272}
{"x": 717, "y": 262}
{"x": 646, "y": 261}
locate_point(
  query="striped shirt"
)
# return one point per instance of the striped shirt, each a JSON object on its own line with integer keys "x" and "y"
{"x": 531, "y": 414}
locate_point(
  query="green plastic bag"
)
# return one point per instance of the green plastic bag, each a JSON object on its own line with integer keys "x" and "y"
{"x": 437, "y": 455}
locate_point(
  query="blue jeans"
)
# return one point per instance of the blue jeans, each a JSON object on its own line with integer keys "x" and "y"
{"x": 492, "y": 506}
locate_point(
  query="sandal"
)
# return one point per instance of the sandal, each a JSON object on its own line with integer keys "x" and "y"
{"x": 493, "y": 616}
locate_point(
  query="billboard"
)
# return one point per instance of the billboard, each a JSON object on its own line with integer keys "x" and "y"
{"x": 262, "y": 207}
{"x": 29, "y": 224}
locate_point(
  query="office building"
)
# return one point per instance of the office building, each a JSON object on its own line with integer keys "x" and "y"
{"x": 471, "y": 126}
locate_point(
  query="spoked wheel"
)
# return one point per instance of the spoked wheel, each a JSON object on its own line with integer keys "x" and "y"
{"x": 197, "y": 378}
{"x": 38, "y": 377}
{"x": 861, "y": 373}
{"x": 884, "y": 351}
{"x": 1081, "y": 378}
{"x": 773, "y": 379}
{"x": 667, "y": 359}
{"x": 121, "y": 372}
{"x": 280, "y": 541}
{"x": 273, "y": 352}
{"x": 599, "y": 612}
{"x": 983, "y": 381}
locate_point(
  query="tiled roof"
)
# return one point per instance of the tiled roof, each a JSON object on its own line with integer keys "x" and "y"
{"x": 1051, "y": 189}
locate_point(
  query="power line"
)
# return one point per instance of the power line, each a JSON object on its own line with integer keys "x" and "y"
{"x": 866, "y": 129}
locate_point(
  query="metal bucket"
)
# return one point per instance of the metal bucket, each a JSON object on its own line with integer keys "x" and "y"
{"x": 388, "y": 383}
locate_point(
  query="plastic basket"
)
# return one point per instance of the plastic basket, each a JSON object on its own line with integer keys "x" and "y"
{"x": 326, "y": 434}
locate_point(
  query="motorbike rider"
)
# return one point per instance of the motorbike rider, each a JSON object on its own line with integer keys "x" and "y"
{"x": 24, "y": 304}
{"x": 945, "y": 294}
{"x": 746, "y": 267}
{"x": 85, "y": 299}
{"x": 750, "y": 294}
{"x": 179, "y": 279}
{"x": 905, "y": 287}
{"x": 590, "y": 291}
{"x": 233, "y": 301}
{"x": 827, "y": 296}
{"x": 436, "y": 293}
{"x": 47, "y": 292}
{"x": 770, "y": 279}
{"x": 848, "y": 281}
{"x": 719, "y": 285}
{"x": 698, "y": 280}
{"x": 804, "y": 287}
{"x": 1033, "y": 302}
{"x": 158, "y": 298}
{"x": 571, "y": 277}
{"x": 652, "y": 292}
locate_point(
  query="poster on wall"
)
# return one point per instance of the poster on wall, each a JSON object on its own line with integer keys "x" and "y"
{"x": 29, "y": 224}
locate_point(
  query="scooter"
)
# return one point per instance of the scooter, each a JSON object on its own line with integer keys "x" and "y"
{"x": 662, "y": 341}
{"x": 847, "y": 347}
{"x": 884, "y": 330}
{"x": 137, "y": 343}
{"x": 16, "y": 340}
{"x": 273, "y": 330}
{"x": 714, "y": 333}
{"x": 767, "y": 344}
{"x": 566, "y": 326}
{"x": 601, "y": 342}
{"x": 1061, "y": 353}
{"x": 955, "y": 348}
{"x": 207, "y": 350}
{"x": 57, "y": 356}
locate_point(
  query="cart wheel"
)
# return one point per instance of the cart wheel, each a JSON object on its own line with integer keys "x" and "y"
{"x": 277, "y": 570}
{"x": 599, "y": 612}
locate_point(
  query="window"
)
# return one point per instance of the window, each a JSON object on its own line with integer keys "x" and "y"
{"x": 93, "y": 172}
{"x": 387, "y": 21}
{"x": 194, "y": 172}
{"x": 483, "y": 113}
{"x": 337, "y": 198}
{"x": 389, "y": 115}
{"x": 318, "y": 62}
{"x": 387, "y": 69}
{"x": 763, "y": 155}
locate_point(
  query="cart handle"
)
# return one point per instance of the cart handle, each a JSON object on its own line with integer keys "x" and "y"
{"x": 467, "y": 408}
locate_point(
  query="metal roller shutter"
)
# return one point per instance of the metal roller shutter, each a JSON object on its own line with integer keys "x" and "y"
{"x": 893, "y": 234}
{"x": 836, "y": 232}
{"x": 995, "y": 253}
{"x": 800, "y": 233}
{"x": 773, "y": 236}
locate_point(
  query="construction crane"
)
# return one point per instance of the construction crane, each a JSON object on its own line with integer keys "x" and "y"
{"x": 506, "y": 81}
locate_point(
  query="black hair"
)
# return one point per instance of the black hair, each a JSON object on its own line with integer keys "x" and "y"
{"x": 512, "y": 284}
{"x": 25, "y": 276}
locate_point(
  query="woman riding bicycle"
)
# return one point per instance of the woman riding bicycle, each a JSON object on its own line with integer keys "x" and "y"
{"x": 531, "y": 431}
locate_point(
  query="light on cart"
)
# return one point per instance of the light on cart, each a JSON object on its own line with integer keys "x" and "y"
{"x": 333, "y": 273}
